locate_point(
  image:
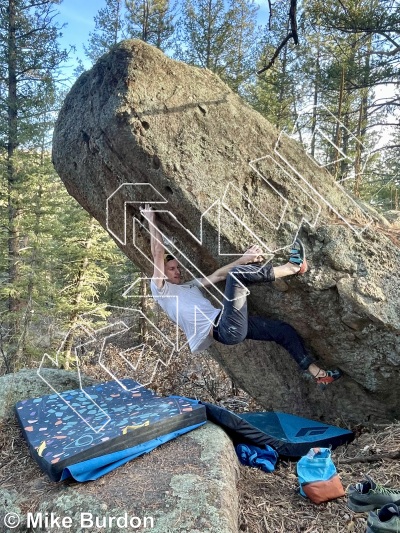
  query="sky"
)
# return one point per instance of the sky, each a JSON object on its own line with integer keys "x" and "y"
{"x": 78, "y": 15}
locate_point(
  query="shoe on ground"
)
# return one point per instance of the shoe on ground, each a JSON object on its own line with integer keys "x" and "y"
{"x": 298, "y": 256}
{"x": 387, "y": 520}
{"x": 329, "y": 377}
{"x": 368, "y": 496}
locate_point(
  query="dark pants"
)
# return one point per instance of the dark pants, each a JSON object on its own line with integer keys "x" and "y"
{"x": 235, "y": 325}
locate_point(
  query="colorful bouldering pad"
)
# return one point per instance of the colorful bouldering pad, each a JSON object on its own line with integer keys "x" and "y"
{"x": 84, "y": 432}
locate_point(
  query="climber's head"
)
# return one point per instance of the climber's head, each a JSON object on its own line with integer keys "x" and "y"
{"x": 172, "y": 269}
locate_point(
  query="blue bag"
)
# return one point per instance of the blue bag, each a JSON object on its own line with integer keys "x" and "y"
{"x": 264, "y": 458}
{"x": 318, "y": 478}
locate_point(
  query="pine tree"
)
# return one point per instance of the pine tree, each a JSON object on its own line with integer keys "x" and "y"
{"x": 29, "y": 58}
{"x": 349, "y": 74}
{"x": 219, "y": 36}
{"x": 204, "y": 28}
{"x": 69, "y": 266}
{"x": 382, "y": 189}
{"x": 109, "y": 28}
{"x": 152, "y": 21}
{"x": 243, "y": 44}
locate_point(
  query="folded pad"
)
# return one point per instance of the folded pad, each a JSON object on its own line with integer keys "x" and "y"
{"x": 290, "y": 435}
{"x": 87, "y": 432}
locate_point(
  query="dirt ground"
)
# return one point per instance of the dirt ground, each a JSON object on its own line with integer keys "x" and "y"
{"x": 269, "y": 503}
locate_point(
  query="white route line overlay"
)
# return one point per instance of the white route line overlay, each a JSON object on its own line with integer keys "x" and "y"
{"x": 220, "y": 203}
{"x": 317, "y": 130}
{"x": 93, "y": 336}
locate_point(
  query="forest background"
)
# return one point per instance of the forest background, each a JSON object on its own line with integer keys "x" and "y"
{"x": 332, "y": 82}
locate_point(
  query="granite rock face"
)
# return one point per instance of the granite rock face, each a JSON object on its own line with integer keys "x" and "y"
{"x": 141, "y": 127}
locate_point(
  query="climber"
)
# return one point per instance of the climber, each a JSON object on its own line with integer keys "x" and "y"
{"x": 202, "y": 322}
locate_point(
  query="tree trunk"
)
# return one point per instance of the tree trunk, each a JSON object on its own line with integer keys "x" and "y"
{"x": 338, "y": 130}
{"x": 362, "y": 122}
{"x": 32, "y": 265}
{"x": 315, "y": 98}
{"x": 209, "y": 36}
{"x": 14, "y": 211}
{"x": 282, "y": 87}
{"x": 117, "y": 22}
{"x": 143, "y": 308}
{"x": 80, "y": 281}
{"x": 14, "y": 208}
{"x": 31, "y": 280}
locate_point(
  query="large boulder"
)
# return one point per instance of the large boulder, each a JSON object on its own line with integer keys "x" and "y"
{"x": 141, "y": 127}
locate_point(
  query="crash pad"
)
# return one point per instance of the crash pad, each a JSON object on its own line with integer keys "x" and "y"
{"x": 290, "y": 435}
{"x": 87, "y": 432}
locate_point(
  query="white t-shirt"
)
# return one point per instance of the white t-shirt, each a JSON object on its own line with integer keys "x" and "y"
{"x": 186, "y": 306}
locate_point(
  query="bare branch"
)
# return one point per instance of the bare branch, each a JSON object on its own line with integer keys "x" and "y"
{"x": 389, "y": 53}
{"x": 389, "y": 147}
{"x": 344, "y": 7}
{"x": 293, "y": 21}
{"x": 384, "y": 34}
{"x": 370, "y": 458}
{"x": 376, "y": 31}
{"x": 272, "y": 61}
{"x": 291, "y": 35}
{"x": 270, "y": 14}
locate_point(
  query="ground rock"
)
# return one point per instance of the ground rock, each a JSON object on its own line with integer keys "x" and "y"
{"x": 187, "y": 485}
{"x": 8, "y": 506}
{"x": 28, "y": 384}
{"x": 140, "y": 127}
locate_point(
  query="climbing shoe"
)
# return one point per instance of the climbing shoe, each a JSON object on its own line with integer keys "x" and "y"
{"x": 387, "y": 520}
{"x": 298, "y": 256}
{"x": 329, "y": 376}
{"x": 368, "y": 495}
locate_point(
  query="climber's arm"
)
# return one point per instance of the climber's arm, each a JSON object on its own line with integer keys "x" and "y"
{"x": 252, "y": 255}
{"x": 157, "y": 246}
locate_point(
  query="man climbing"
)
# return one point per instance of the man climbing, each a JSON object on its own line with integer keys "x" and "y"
{"x": 202, "y": 322}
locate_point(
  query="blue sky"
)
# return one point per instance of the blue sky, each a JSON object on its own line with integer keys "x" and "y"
{"x": 78, "y": 15}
